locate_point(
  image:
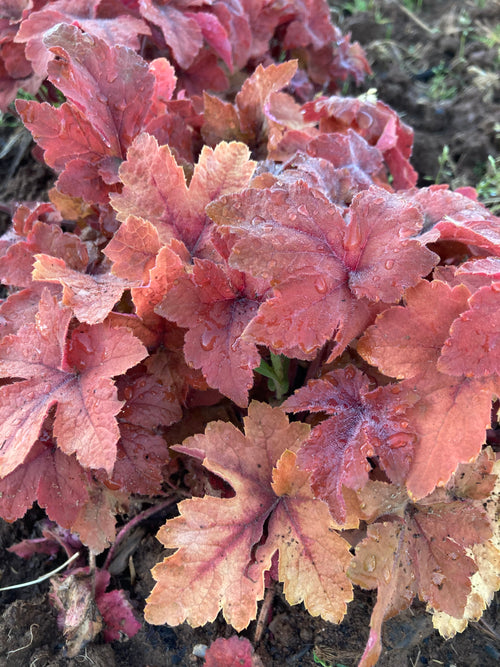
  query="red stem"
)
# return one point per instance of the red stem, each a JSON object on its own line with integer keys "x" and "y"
{"x": 131, "y": 524}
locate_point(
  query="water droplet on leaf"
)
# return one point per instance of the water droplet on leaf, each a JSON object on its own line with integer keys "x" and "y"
{"x": 321, "y": 285}
{"x": 370, "y": 563}
{"x": 397, "y": 440}
{"x": 208, "y": 341}
{"x": 437, "y": 578}
{"x": 352, "y": 239}
{"x": 389, "y": 264}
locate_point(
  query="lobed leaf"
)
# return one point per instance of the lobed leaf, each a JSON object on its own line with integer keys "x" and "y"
{"x": 219, "y": 540}
{"x": 75, "y": 376}
{"x": 155, "y": 187}
{"x": 453, "y": 412}
{"x": 362, "y": 424}
{"x": 424, "y": 555}
{"x": 322, "y": 268}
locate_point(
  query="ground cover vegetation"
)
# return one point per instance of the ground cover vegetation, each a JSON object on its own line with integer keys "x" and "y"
{"x": 239, "y": 306}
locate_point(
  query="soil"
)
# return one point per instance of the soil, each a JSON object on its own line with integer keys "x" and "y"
{"x": 437, "y": 65}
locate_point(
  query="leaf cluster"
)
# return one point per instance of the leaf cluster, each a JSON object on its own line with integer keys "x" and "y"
{"x": 208, "y": 264}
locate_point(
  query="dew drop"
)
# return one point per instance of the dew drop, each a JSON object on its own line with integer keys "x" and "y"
{"x": 321, "y": 285}
{"x": 292, "y": 217}
{"x": 128, "y": 393}
{"x": 30, "y": 395}
{"x": 397, "y": 440}
{"x": 403, "y": 424}
{"x": 386, "y": 575}
{"x": 257, "y": 220}
{"x": 370, "y": 563}
{"x": 208, "y": 341}
{"x": 389, "y": 264}
{"x": 437, "y": 578}
{"x": 46, "y": 388}
{"x": 352, "y": 237}
{"x": 303, "y": 210}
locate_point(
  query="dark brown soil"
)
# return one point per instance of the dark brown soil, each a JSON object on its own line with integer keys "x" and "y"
{"x": 438, "y": 67}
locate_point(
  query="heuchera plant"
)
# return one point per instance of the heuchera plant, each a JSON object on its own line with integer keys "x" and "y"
{"x": 247, "y": 294}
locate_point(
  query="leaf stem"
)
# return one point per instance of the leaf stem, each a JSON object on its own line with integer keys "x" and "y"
{"x": 142, "y": 516}
{"x": 277, "y": 373}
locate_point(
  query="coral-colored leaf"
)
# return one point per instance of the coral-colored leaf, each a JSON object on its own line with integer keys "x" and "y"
{"x": 453, "y": 412}
{"x": 91, "y": 297}
{"x": 486, "y": 580}
{"x": 133, "y": 249}
{"x": 362, "y": 424}
{"x": 62, "y": 487}
{"x": 122, "y": 29}
{"x": 181, "y": 32}
{"x": 75, "y": 376}
{"x": 215, "y": 311}
{"x": 233, "y": 652}
{"x": 222, "y": 121}
{"x": 451, "y": 216}
{"x": 149, "y": 402}
{"x": 473, "y": 348}
{"x": 215, "y": 35}
{"x": 119, "y": 619}
{"x": 335, "y": 264}
{"x": 88, "y": 135}
{"x": 247, "y": 119}
{"x": 32, "y": 233}
{"x": 256, "y": 90}
{"x": 426, "y": 555}
{"x": 96, "y": 520}
{"x": 216, "y": 566}
{"x": 407, "y": 339}
{"x": 165, "y": 82}
{"x": 356, "y": 163}
{"x": 155, "y": 186}
{"x": 140, "y": 457}
{"x": 90, "y": 74}
{"x": 374, "y": 121}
